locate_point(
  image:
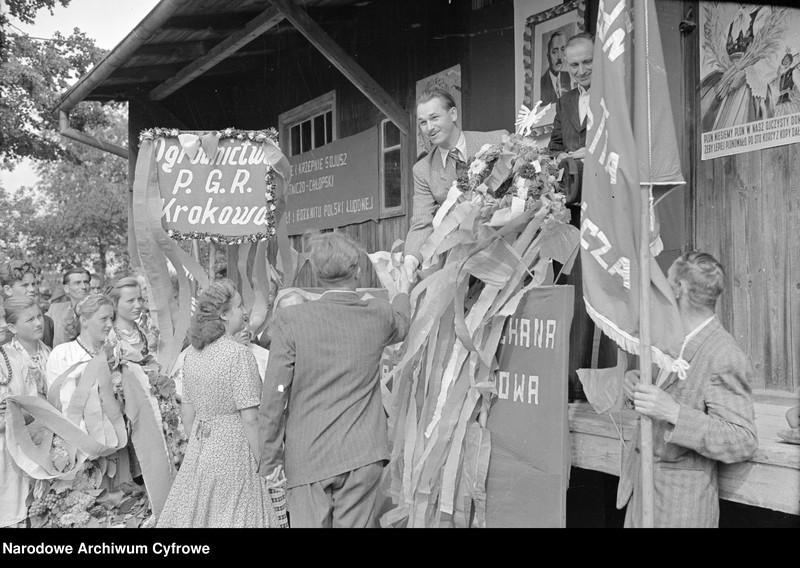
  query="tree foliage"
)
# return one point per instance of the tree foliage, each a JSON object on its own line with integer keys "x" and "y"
{"x": 13, "y": 210}
{"x": 34, "y": 74}
{"x": 77, "y": 213}
{"x": 25, "y": 10}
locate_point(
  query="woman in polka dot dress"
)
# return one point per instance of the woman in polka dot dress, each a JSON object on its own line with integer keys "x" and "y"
{"x": 218, "y": 484}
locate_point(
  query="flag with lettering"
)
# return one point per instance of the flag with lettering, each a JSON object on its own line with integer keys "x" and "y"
{"x": 630, "y": 145}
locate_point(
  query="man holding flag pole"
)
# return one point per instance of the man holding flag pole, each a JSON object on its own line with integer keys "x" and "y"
{"x": 630, "y": 155}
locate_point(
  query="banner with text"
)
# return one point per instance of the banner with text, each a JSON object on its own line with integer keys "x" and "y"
{"x": 530, "y": 457}
{"x": 218, "y": 184}
{"x": 752, "y": 136}
{"x": 334, "y": 185}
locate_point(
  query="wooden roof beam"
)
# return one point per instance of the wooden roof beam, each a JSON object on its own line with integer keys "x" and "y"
{"x": 185, "y": 49}
{"x": 147, "y": 73}
{"x": 344, "y": 63}
{"x": 219, "y": 21}
{"x": 269, "y": 18}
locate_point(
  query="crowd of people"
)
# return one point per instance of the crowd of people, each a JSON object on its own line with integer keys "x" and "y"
{"x": 233, "y": 473}
{"x": 304, "y": 419}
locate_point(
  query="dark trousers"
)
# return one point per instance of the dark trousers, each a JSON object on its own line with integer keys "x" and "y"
{"x": 347, "y": 500}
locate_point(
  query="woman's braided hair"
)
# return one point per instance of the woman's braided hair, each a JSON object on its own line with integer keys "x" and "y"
{"x": 207, "y": 325}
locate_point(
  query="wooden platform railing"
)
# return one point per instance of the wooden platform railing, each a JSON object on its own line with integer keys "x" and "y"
{"x": 771, "y": 479}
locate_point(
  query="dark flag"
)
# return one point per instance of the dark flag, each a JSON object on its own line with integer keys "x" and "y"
{"x": 630, "y": 144}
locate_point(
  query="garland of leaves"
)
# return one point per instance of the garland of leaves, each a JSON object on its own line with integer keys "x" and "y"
{"x": 252, "y": 135}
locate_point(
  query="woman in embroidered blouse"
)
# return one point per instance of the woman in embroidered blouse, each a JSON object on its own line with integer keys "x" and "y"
{"x": 14, "y": 380}
{"x": 95, "y": 316}
{"x": 702, "y": 413}
{"x": 126, "y": 294}
{"x": 26, "y": 325}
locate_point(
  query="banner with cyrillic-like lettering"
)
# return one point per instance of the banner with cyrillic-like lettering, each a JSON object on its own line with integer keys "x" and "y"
{"x": 530, "y": 457}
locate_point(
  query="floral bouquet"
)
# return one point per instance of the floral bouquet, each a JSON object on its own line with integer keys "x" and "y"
{"x": 494, "y": 238}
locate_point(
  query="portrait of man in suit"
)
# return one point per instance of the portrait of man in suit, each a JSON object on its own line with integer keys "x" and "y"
{"x": 434, "y": 173}
{"x": 555, "y": 80}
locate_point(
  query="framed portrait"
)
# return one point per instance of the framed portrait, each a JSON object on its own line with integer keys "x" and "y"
{"x": 545, "y": 70}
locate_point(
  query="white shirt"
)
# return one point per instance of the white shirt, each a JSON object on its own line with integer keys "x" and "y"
{"x": 583, "y": 103}
{"x": 555, "y": 79}
{"x": 262, "y": 358}
{"x": 62, "y": 357}
{"x": 461, "y": 146}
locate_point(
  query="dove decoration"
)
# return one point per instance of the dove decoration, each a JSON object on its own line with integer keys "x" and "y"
{"x": 527, "y": 118}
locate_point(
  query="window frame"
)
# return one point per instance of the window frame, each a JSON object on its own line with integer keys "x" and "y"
{"x": 307, "y": 111}
{"x": 400, "y": 209}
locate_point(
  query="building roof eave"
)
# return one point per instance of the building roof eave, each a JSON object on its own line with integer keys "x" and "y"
{"x": 119, "y": 55}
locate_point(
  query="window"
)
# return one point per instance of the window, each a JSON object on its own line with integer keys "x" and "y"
{"x": 308, "y": 126}
{"x": 391, "y": 169}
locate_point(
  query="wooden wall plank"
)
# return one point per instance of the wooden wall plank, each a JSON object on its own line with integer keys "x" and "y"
{"x": 721, "y": 229}
{"x": 775, "y": 241}
{"x": 755, "y": 342}
{"x": 743, "y": 174}
{"x": 792, "y": 305}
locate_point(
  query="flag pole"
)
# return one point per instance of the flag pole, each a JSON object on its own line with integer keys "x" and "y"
{"x": 645, "y": 356}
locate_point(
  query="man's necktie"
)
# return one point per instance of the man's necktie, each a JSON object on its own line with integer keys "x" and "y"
{"x": 454, "y": 156}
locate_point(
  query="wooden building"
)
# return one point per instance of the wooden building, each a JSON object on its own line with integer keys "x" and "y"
{"x": 324, "y": 70}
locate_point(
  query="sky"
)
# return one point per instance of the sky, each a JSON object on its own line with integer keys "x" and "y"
{"x": 106, "y": 21}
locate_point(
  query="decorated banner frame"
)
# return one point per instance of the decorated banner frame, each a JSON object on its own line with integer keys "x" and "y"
{"x": 256, "y": 136}
{"x": 568, "y": 18}
{"x": 216, "y": 181}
